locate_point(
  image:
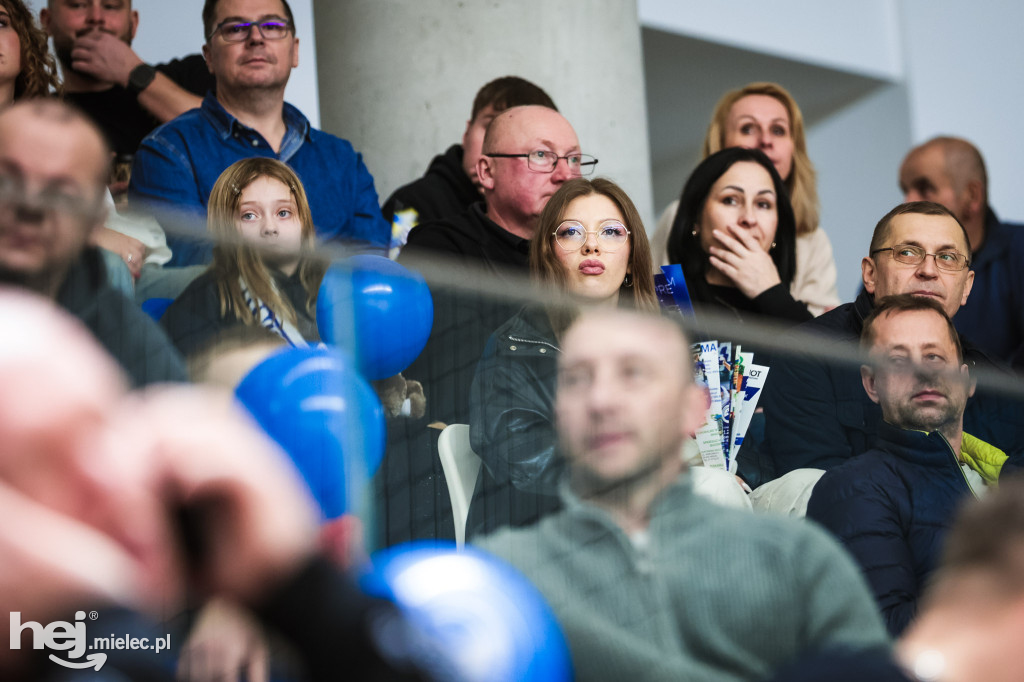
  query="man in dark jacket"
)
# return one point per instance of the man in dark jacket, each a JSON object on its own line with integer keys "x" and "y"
{"x": 892, "y": 505}
{"x": 816, "y": 413}
{"x": 968, "y": 628}
{"x": 450, "y": 185}
{"x": 53, "y": 171}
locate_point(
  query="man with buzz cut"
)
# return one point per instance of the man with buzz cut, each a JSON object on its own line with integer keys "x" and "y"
{"x": 104, "y": 77}
{"x": 951, "y": 171}
{"x": 648, "y": 580}
{"x": 816, "y": 412}
{"x": 126, "y": 97}
{"x": 892, "y": 505}
{"x": 251, "y": 49}
{"x": 451, "y": 185}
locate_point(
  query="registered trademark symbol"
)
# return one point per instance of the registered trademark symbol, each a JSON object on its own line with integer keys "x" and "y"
{"x": 93, "y": 615}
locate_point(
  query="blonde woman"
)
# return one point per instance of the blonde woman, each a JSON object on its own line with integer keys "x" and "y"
{"x": 765, "y": 116}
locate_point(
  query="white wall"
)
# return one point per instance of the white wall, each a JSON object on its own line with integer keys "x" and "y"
{"x": 965, "y": 77}
{"x": 174, "y": 29}
{"x": 857, "y": 152}
{"x": 850, "y": 36}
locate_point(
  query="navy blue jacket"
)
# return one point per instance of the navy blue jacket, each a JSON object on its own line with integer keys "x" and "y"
{"x": 891, "y": 508}
{"x": 994, "y": 313}
{"x": 818, "y": 415}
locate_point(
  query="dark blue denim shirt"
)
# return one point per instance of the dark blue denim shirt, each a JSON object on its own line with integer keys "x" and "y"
{"x": 176, "y": 165}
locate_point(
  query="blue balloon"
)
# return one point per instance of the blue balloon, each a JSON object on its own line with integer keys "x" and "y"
{"x": 479, "y": 609}
{"x": 156, "y": 307}
{"x": 376, "y": 309}
{"x": 324, "y": 415}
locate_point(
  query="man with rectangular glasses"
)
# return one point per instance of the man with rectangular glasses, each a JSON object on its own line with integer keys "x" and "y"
{"x": 817, "y": 414}
{"x": 251, "y": 49}
{"x": 451, "y": 185}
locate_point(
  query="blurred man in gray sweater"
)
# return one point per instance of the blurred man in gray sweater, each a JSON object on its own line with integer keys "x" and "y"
{"x": 648, "y": 580}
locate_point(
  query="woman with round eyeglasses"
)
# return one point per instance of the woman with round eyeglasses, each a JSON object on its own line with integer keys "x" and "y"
{"x": 592, "y": 245}
{"x": 765, "y": 116}
{"x": 735, "y": 237}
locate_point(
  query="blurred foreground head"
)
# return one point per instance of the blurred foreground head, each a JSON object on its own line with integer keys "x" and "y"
{"x": 54, "y": 165}
{"x": 94, "y": 481}
{"x": 626, "y": 400}
{"x": 970, "y": 623}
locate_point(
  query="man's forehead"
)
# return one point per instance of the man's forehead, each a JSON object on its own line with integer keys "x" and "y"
{"x": 930, "y": 231}
{"x": 619, "y": 338}
{"x": 911, "y": 329}
{"x": 63, "y": 151}
{"x": 926, "y": 161}
{"x": 533, "y": 127}
{"x": 110, "y": 4}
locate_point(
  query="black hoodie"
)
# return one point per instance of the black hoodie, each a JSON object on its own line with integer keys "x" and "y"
{"x": 444, "y": 191}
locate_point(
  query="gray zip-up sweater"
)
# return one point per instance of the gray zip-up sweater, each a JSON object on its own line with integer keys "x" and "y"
{"x": 714, "y": 593}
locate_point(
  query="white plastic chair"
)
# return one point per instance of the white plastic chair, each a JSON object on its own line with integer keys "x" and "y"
{"x": 461, "y": 466}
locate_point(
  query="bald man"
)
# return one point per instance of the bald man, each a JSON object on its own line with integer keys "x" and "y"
{"x": 951, "y": 171}
{"x": 54, "y": 165}
{"x": 516, "y": 182}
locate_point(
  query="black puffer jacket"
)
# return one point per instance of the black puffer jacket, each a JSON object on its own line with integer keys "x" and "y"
{"x": 512, "y": 424}
{"x": 891, "y": 507}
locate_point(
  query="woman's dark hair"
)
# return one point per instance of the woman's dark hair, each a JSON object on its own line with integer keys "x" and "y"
{"x": 684, "y": 246}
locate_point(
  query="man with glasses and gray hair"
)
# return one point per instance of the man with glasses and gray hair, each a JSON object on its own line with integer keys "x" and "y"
{"x": 251, "y": 49}
{"x": 817, "y": 414}
{"x": 53, "y": 172}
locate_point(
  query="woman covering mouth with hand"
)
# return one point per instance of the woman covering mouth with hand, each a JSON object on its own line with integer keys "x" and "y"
{"x": 591, "y": 244}
{"x": 735, "y": 237}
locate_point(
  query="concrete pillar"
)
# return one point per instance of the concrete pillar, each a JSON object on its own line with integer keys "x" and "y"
{"x": 397, "y": 77}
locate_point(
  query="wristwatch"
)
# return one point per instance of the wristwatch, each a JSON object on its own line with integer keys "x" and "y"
{"x": 140, "y": 78}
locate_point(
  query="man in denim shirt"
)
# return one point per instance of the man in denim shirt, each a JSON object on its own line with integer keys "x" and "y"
{"x": 251, "y": 49}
